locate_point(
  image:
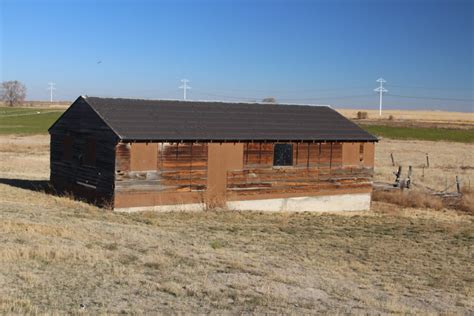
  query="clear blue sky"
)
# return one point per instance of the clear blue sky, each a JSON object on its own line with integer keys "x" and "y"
{"x": 322, "y": 52}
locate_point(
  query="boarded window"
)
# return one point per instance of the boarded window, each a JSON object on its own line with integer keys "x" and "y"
{"x": 258, "y": 154}
{"x": 361, "y": 152}
{"x": 67, "y": 148}
{"x": 283, "y": 155}
{"x": 90, "y": 152}
{"x": 144, "y": 156}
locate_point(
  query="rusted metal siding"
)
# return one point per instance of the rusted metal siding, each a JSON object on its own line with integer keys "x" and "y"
{"x": 82, "y": 155}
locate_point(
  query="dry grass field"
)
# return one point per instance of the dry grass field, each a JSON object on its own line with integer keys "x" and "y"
{"x": 58, "y": 253}
{"x": 412, "y": 115}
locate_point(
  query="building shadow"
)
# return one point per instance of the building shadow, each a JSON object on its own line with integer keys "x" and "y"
{"x": 45, "y": 186}
{"x": 33, "y": 185}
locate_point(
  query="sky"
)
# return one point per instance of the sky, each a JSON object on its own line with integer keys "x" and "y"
{"x": 311, "y": 52}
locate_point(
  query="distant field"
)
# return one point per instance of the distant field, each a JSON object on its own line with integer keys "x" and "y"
{"x": 420, "y": 133}
{"x": 425, "y": 116}
{"x": 27, "y": 120}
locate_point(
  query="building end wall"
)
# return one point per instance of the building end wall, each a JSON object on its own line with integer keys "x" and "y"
{"x": 325, "y": 203}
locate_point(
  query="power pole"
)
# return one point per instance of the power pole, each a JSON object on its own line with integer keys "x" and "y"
{"x": 51, "y": 88}
{"x": 185, "y": 87}
{"x": 380, "y": 90}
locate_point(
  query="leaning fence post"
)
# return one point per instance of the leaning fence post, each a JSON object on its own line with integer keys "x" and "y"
{"x": 408, "y": 182}
{"x": 393, "y": 160}
{"x": 427, "y": 160}
{"x": 397, "y": 175}
{"x": 458, "y": 184}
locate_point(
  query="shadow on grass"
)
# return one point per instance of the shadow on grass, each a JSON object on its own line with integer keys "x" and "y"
{"x": 76, "y": 193}
{"x": 33, "y": 185}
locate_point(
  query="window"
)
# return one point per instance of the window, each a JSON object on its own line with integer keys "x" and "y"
{"x": 67, "y": 148}
{"x": 90, "y": 152}
{"x": 283, "y": 155}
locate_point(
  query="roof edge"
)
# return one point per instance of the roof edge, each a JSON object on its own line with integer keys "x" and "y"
{"x": 101, "y": 117}
{"x": 215, "y": 101}
{"x": 64, "y": 113}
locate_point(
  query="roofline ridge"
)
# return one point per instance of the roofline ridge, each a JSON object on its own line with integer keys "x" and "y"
{"x": 213, "y": 101}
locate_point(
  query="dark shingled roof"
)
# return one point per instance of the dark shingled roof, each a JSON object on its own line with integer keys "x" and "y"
{"x": 170, "y": 120}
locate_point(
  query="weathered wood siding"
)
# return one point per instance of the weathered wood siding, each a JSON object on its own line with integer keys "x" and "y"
{"x": 178, "y": 168}
{"x": 317, "y": 169}
{"x": 183, "y": 173}
{"x": 82, "y": 153}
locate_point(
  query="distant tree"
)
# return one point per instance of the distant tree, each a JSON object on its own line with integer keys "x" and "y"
{"x": 13, "y": 92}
{"x": 269, "y": 100}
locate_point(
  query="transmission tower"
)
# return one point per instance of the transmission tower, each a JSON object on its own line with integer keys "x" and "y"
{"x": 381, "y": 91}
{"x": 185, "y": 87}
{"x": 51, "y": 88}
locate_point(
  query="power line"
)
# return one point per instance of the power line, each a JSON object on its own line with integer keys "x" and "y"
{"x": 427, "y": 88}
{"x": 284, "y": 99}
{"x": 329, "y": 98}
{"x": 429, "y": 98}
{"x": 271, "y": 91}
{"x": 224, "y": 96}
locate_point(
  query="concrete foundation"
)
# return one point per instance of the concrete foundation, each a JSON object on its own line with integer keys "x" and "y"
{"x": 165, "y": 208}
{"x": 325, "y": 203}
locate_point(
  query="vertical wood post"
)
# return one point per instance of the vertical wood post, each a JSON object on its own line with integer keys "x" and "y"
{"x": 408, "y": 182}
{"x": 458, "y": 184}
{"x": 397, "y": 175}
{"x": 296, "y": 160}
{"x": 393, "y": 160}
{"x": 307, "y": 157}
{"x": 319, "y": 155}
{"x": 330, "y": 158}
{"x": 427, "y": 160}
{"x": 191, "y": 169}
{"x": 246, "y": 153}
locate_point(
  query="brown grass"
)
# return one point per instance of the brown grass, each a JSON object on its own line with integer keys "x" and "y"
{"x": 57, "y": 253}
{"x": 424, "y": 116}
{"x": 446, "y": 161}
{"x": 413, "y": 199}
{"x": 467, "y": 201}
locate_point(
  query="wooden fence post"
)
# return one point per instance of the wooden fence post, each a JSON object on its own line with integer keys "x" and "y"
{"x": 393, "y": 160}
{"x": 427, "y": 160}
{"x": 408, "y": 182}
